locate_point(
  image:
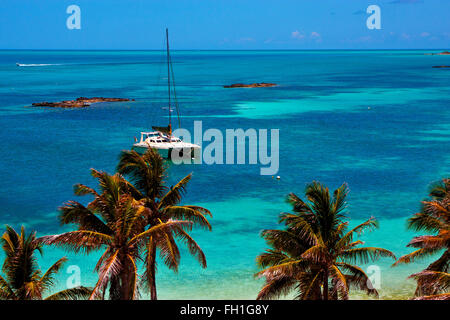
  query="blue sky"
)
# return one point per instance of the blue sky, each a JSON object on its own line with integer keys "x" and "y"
{"x": 225, "y": 24}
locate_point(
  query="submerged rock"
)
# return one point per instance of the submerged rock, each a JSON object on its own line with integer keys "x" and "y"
{"x": 78, "y": 103}
{"x": 252, "y": 85}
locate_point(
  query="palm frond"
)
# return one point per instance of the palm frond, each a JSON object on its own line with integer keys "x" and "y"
{"x": 80, "y": 240}
{"x": 319, "y": 196}
{"x": 440, "y": 189}
{"x": 422, "y": 221}
{"x": 272, "y": 258}
{"x": 190, "y": 213}
{"x": 442, "y": 296}
{"x": 77, "y": 293}
{"x": 370, "y": 224}
{"x": 365, "y": 255}
{"x": 285, "y": 240}
{"x": 74, "y": 212}
{"x": 440, "y": 241}
{"x": 10, "y": 240}
{"x": 287, "y": 268}
{"x": 275, "y": 288}
{"x": 433, "y": 280}
{"x": 81, "y": 190}
{"x": 340, "y": 282}
{"x": 413, "y": 256}
{"x": 173, "y": 196}
{"x": 32, "y": 291}
{"x": 110, "y": 269}
{"x": 298, "y": 205}
{"x": 339, "y": 200}
{"x": 302, "y": 228}
{"x": 155, "y": 229}
{"x": 442, "y": 263}
{"x": 358, "y": 278}
{"x": 317, "y": 254}
{"x": 309, "y": 285}
{"x": 194, "y": 248}
{"x": 146, "y": 172}
{"x": 6, "y": 292}
{"x": 47, "y": 280}
{"x": 168, "y": 250}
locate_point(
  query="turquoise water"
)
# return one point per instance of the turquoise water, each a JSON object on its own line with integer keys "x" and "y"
{"x": 378, "y": 120}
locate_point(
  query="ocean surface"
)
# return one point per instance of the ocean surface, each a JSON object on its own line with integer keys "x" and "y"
{"x": 377, "y": 120}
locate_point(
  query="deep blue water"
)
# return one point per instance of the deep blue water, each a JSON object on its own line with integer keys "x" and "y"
{"x": 377, "y": 120}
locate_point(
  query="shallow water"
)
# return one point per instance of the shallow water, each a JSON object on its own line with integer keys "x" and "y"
{"x": 377, "y": 120}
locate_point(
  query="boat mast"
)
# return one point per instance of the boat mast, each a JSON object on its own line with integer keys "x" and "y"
{"x": 168, "y": 80}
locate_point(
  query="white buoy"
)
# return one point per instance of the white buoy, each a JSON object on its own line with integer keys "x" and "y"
{"x": 278, "y": 177}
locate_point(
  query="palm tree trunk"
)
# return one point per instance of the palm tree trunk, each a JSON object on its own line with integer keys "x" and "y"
{"x": 125, "y": 284}
{"x": 120, "y": 284}
{"x": 152, "y": 276}
{"x": 325, "y": 285}
{"x": 114, "y": 288}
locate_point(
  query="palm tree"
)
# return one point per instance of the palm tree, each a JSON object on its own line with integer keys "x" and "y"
{"x": 112, "y": 221}
{"x": 24, "y": 280}
{"x": 313, "y": 254}
{"x": 148, "y": 173}
{"x": 434, "y": 217}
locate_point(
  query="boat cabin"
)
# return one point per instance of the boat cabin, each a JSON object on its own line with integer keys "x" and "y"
{"x": 157, "y": 137}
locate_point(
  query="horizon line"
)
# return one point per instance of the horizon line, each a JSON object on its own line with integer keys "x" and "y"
{"x": 323, "y": 49}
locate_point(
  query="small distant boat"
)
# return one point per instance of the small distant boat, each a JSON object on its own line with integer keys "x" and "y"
{"x": 35, "y": 64}
{"x": 161, "y": 138}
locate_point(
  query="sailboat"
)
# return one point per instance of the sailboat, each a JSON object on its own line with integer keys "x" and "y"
{"x": 161, "y": 138}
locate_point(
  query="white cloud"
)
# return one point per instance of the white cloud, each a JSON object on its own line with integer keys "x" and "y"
{"x": 316, "y": 36}
{"x": 424, "y": 34}
{"x": 297, "y": 35}
{"x": 246, "y": 39}
{"x": 405, "y": 36}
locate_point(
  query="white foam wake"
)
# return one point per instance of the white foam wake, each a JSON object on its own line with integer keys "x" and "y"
{"x": 36, "y": 64}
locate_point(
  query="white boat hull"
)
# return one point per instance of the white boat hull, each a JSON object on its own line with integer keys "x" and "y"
{"x": 142, "y": 149}
{"x": 166, "y": 152}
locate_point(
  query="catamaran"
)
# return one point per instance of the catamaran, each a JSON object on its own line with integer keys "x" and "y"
{"x": 161, "y": 138}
